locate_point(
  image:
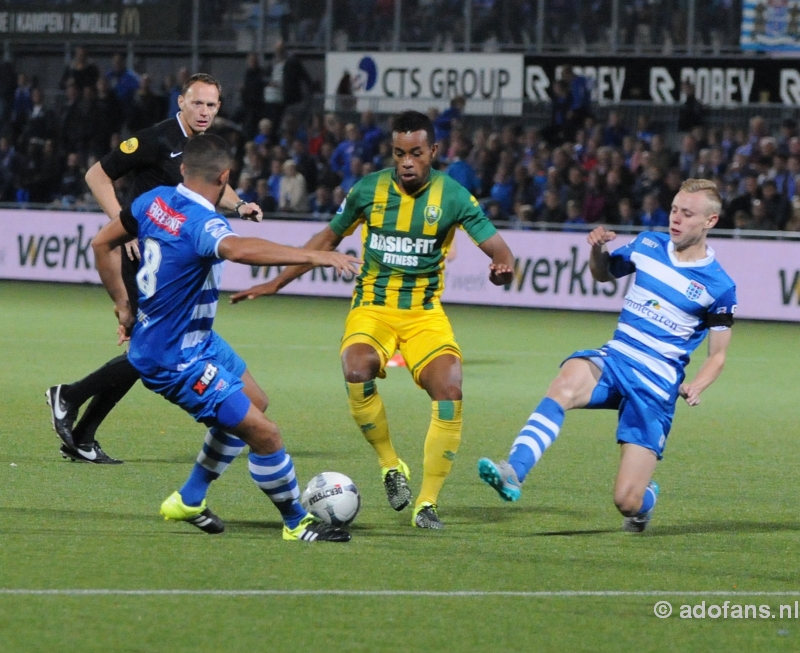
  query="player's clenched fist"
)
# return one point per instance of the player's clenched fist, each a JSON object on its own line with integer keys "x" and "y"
{"x": 599, "y": 236}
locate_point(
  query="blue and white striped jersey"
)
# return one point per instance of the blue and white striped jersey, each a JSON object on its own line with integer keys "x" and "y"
{"x": 669, "y": 308}
{"x": 179, "y": 275}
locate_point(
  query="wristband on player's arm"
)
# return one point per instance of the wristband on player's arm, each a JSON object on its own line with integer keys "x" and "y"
{"x": 250, "y": 216}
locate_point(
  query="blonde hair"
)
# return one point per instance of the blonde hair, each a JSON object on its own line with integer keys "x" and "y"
{"x": 709, "y": 188}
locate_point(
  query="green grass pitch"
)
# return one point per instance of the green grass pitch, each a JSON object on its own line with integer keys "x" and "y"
{"x": 726, "y": 525}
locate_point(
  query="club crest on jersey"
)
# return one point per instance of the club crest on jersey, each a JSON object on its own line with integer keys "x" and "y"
{"x": 217, "y": 227}
{"x": 432, "y": 214}
{"x": 695, "y": 290}
{"x": 129, "y": 146}
{"x": 201, "y": 385}
{"x": 165, "y": 218}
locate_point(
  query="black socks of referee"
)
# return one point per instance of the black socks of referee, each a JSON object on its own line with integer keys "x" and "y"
{"x": 106, "y": 386}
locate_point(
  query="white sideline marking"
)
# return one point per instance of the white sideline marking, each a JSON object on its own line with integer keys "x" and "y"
{"x": 388, "y": 593}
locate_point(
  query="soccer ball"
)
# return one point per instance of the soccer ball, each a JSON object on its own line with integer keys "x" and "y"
{"x": 332, "y": 497}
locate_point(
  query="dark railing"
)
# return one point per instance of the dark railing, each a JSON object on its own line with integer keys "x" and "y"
{"x": 509, "y": 225}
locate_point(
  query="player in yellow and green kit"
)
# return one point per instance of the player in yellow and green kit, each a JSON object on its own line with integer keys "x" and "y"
{"x": 409, "y": 215}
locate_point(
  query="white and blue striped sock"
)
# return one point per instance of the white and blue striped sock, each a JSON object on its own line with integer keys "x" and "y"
{"x": 275, "y": 475}
{"x": 540, "y": 431}
{"x": 218, "y": 452}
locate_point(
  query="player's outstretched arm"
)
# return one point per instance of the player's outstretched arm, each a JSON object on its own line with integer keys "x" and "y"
{"x": 711, "y": 368}
{"x": 323, "y": 241}
{"x": 501, "y": 269}
{"x": 599, "y": 256}
{"x": 106, "y": 246}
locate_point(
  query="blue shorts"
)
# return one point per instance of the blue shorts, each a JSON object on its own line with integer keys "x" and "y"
{"x": 204, "y": 384}
{"x": 645, "y": 418}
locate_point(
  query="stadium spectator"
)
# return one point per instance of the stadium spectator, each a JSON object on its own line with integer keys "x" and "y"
{"x": 625, "y": 216}
{"x": 274, "y": 179}
{"x": 287, "y": 82}
{"x": 8, "y": 79}
{"x": 346, "y": 150}
{"x": 72, "y": 188}
{"x": 761, "y": 219}
{"x": 644, "y": 129}
{"x": 449, "y": 118}
{"x": 174, "y": 91}
{"x": 502, "y": 191}
{"x": 371, "y": 135}
{"x": 292, "y": 190}
{"x": 652, "y": 215}
{"x": 781, "y": 176}
{"x": 580, "y": 100}
{"x": 41, "y": 122}
{"x": 51, "y": 171}
{"x": 252, "y": 107}
{"x": 122, "y": 81}
{"x": 326, "y": 176}
{"x": 148, "y": 107}
{"x": 594, "y": 208}
{"x": 790, "y": 190}
{"x": 776, "y": 206}
{"x": 306, "y": 165}
{"x": 8, "y": 164}
{"x": 526, "y": 192}
{"x": 744, "y": 201}
{"x": 551, "y": 210}
{"x": 575, "y": 189}
{"x": 660, "y": 155}
{"x": 338, "y": 196}
{"x": 252, "y": 161}
{"x": 692, "y": 111}
{"x": 574, "y": 216}
{"x": 80, "y": 72}
{"x": 246, "y": 188}
{"x": 788, "y": 131}
{"x": 614, "y": 131}
{"x": 321, "y": 204}
{"x": 353, "y": 175}
{"x": 22, "y": 104}
{"x": 72, "y": 125}
{"x": 264, "y": 199}
{"x": 264, "y": 138}
{"x": 556, "y": 132}
{"x": 794, "y": 221}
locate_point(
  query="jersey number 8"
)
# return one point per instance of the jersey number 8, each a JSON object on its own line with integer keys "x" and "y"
{"x": 151, "y": 259}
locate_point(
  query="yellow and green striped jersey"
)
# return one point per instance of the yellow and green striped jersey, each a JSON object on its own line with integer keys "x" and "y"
{"x": 406, "y": 237}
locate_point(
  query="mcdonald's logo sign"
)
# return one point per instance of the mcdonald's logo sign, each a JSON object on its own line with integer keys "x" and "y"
{"x": 130, "y": 22}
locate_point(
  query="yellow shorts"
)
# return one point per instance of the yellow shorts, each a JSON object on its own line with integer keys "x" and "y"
{"x": 420, "y": 335}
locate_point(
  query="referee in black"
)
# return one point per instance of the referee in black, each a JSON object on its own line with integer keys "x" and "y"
{"x": 154, "y": 157}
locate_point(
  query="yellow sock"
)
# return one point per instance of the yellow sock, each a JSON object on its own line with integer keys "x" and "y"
{"x": 441, "y": 446}
{"x": 366, "y": 407}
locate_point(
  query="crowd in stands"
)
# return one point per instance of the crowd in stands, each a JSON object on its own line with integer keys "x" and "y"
{"x": 574, "y": 171}
{"x": 441, "y": 24}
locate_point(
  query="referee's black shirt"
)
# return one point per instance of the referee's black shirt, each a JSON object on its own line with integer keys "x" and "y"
{"x": 153, "y": 155}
